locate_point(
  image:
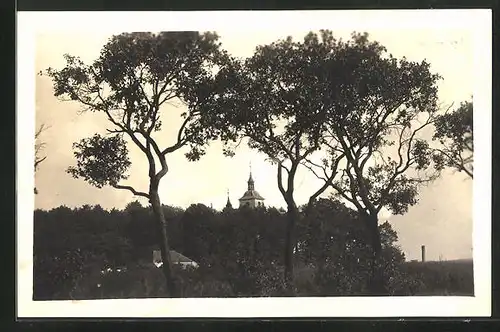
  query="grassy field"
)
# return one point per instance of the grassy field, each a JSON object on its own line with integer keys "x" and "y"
{"x": 439, "y": 278}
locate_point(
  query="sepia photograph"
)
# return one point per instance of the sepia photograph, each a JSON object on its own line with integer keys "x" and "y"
{"x": 327, "y": 159}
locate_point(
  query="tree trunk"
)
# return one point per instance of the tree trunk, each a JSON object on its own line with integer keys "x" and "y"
{"x": 292, "y": 216}
{"x": 376, "y": 284}
{"x": 163, "y": 243}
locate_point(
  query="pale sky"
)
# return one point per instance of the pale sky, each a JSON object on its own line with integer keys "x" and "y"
{"x": 442, "y": 220}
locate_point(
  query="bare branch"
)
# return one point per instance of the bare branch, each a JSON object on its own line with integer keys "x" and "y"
{"x": 138, "y": 82}
{"x": 280, "y": 179}
{"x": 342, "y": 193}
{"x": 241, "y": 140}
{"x": 41, "y": 129}
{"x": 308, "y": 152}
{"x": 275, "y": 139}
{"x": 115, "y": 131}
{"x": 170, "y": 95}
{"x": 402, "y": 167}
{"x": 161, "y": 157}
{"x": 131, "y": 189}
{"x": 360, "y": 179}
{"x": 452, "y": 160}
{"x": 38, "y": 161}
{"x": 328, "y": 179}
{"x": 313, "y": 171}
{"x": 181, "y": 141}
{"x": 39, "y": 145}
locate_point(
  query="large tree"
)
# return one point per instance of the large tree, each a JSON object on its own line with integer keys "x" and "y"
{"x": 130, "y": 83}
{"x": 269, "y": 99}
{"x": 454, "y": 131}
{"x": 377, "y": 110}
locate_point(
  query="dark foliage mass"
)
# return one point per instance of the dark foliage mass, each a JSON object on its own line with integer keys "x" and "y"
{"x": 89, "y": 252}
{"x": 455, "y": 133}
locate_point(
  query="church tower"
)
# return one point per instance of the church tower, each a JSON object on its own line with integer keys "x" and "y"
{"x": 251, "y": 197}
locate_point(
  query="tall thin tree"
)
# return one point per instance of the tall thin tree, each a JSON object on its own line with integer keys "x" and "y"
{"x": 130, "y": 83}
{"x": 39, "y": 146}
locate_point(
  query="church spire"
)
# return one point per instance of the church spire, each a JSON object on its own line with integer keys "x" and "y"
{"x": 228, "y": 204}
{"x": 251, "y": 197}
{"x": 251, "y": 184}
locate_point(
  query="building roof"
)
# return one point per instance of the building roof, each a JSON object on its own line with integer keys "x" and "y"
{"x": 251, "y": 194}
{"x": 179, "y": 258}
{"x": 175, "y": 257}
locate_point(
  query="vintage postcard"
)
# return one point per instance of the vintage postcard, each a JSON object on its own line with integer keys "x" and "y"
{"x": 254, "y": 164}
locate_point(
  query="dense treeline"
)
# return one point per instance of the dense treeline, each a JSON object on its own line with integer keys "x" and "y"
{"x": 238, "y": 252}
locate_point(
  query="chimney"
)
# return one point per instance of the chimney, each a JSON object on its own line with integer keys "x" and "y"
{"x": 423, "y": 253}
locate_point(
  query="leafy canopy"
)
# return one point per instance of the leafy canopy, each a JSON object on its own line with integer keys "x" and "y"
{"x": 273, "y": 99}
{"x": 92, "y": 154}
{"x": 135, "y": 76}
{"x": 374, "y": 108}
{"x": 454, "y": 131}
{"x": 267, "y": 98}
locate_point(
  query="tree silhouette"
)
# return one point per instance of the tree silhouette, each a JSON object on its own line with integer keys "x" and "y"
{"x": 130, "y": 83}
{"x": 269, "y": 98}
{"x": 455, "y": 133}
{"x": 375, "y": 109}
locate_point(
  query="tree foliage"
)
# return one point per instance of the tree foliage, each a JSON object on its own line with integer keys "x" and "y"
{"x": 130, "y": 83}
{"x": 136, "y": 75}
{"x": 93, "y": 153}
{"x": 376, "y": 106}
{"x": 454, "y": 131}
{"x": 363, "y": 108}
{"x": 374, "y": 111}
{"x": 269, "y": 98}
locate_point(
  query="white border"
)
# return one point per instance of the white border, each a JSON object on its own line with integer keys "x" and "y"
{"x": 479, "y": 21}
